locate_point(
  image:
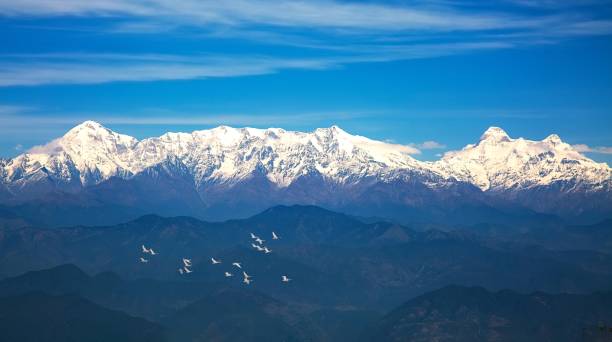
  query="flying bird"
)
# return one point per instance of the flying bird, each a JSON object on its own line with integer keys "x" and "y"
{"x": 237, "y": 264}
{"x": 285, "y": 279}
{"x": 274, "y": 236}
{"x": 253, "y": 236}
{"x": 143, "y": 260}
{"x": 227, "y": 274}
{"x": 246, "y": 276}
{"x": 152, "y": 252}
{"x": 144, "y": 249}
{"x": 187, "y": 270}
{"x": 187, "y": 262}
{"x": 266, "y": 250}
{"x": 260, "y": 241}
{"x": 214, "y": 262}
{"x": 246, "y": 281}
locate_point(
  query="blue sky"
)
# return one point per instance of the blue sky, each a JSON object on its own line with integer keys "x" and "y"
{"x": 405, "y": 71}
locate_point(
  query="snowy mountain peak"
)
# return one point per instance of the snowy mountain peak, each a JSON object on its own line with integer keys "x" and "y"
{"x": 222, "y": 154}
{"x": 92, "y": 133}
{"x": 495, "y": 134}
{"x": 91, "y": 153}
{"x": 337, "y": 130}
{"x": 553, "y": 139}
{"x": 500, "y": 162}
{"x": 333, "y": 132}
{"x": 88, "y": 125}
{"x": 92, "y": 148}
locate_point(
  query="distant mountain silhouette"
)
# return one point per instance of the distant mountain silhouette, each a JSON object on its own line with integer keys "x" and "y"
{"x": 192, "y": 310}
{"x": 458, "y": 313}
{"x": 357, "y": 263}
{"x": 66, "y": 304}
{"x": 37, "y": 316}
{"x": 233, "y": 315}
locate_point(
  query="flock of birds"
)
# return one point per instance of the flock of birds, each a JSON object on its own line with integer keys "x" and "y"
{"x": 257, "y": 244}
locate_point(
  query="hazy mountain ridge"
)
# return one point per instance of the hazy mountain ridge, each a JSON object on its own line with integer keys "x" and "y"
{"x": 195, "y": 311}
{"x": 225, "y": 171}
{"x": 344, "y": 273}
{"x": 457, "y": 313}
{"x": 190, "y": 309}
{"x": 38, "y": 316}
{"x": 376, "y": 263}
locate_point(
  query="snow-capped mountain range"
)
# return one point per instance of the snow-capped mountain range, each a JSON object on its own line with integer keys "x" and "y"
{"x": 224, "y": 159}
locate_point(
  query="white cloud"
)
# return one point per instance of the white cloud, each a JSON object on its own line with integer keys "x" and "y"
{"x": 583, "y": 148}
{"x": 431, "y": 145}
{"x": 163, "y": 117}
{"x": 51, "y": 147}
{"x": 347, "y": 32}
{"x": 427, "y": 145}
{"x": 325, "y": 14}
{"x": 82, "y": 68}
{"x": 11, "y": 109}
{"x": 329, "y": 16}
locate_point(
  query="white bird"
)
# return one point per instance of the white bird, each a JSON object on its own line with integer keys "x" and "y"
{"x": 227, "y": 274}
{"x": 143, "y": 260}
{"x": 237, "y": 264}
{"x": 180, "y": 270}
{"x": 214, "y": 262}
{"x": 187, "y": 270}
{"x": 246, "y": 276}
{"x": 253, "y": 236}
{"x": 246, "y": 281}
{"x": 152, "y": 252}
{"x": 285, "y": 279}
{"x": 274, "y": 236}
{"x": 257, "y": 247}
{"x": 266, "y": 250}
{"x": 187, "y": 262}
{"x": 260, "y": 241}
{"x": 144, "y": 249}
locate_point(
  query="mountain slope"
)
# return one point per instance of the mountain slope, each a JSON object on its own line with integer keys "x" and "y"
{"x": 227, "y": 172}
{"x": 192, "y": 310}
{"x": 498, "y": 162}
{"x": 41, "y": 317}
{"x": 232, "y": 315}
{"x": 458, "y": 313}
{"x": 356, "y": 263}
{"x": 92, "y": 153}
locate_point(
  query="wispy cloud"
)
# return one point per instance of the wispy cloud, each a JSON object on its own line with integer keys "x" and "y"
{"x": 14, "y": 109}
{"x": 81, "y": 68}
{"x": 164, "y": 117}
{"x": 339, "y": 33}
{"x": 583, "y": 148}
{"x": 88, "y": 69}
{"x": 281, "y": 13}
{"x": 336, "y": 17}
